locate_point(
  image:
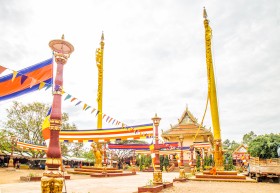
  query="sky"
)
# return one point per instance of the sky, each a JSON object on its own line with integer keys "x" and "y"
{"x": 154, "y": 58}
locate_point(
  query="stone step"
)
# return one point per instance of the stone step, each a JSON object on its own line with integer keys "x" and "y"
{"x": 111, "y": 174}
{"x": 223, "y": 180}
{"x": 94, "y": 170}
{"x": 98, "y": 168}
{"x": 221, "y": 176}
{"x": 222, "y": 172}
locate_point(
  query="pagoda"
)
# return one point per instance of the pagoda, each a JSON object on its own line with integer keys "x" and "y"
{"x": 195, "y": 139}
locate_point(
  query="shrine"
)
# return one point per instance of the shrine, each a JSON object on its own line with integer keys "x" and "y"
{"x": 195, "y": 139}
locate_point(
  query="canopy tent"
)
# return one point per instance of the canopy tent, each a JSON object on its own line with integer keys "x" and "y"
{"x": 26, "y": 80}
{"x": 111, "y": 134}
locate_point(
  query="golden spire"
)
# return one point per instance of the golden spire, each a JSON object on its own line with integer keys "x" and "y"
{"x": 102, "y": 41}
{"x": 204, "y": 13}
{"x": 102, "y": 36}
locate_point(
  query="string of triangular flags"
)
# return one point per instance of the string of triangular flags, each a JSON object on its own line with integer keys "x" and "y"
{"x": 85, "y": 107}
{"x": 25, "y": 77}
{"x": 109, "y": 119}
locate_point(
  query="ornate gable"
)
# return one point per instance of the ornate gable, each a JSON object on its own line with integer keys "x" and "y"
{"x": 187, "y": 126}
{"x": 187, "y": 118}
{"x": 241, "y": 149}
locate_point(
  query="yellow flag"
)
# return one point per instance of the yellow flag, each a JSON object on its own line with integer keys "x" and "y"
{"x": 152, "y": 147}
{"x": 14, "y": 75}
{"x": 42, "y": 84}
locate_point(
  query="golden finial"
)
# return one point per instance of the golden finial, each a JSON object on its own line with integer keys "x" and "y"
{"x": 62, "y": 37}
{"x": 102, "y": 36}
{"x": 204, "y": 13}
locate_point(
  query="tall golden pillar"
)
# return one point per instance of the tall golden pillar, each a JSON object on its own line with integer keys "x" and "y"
{"x": 52, "y": 180}
{"x": 99, "y": 64}
{"x": 218, "y": 153}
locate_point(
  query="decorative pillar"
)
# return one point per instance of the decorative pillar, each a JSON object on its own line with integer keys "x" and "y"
{"x": 133, "y": 163}
{"x": 192, "y": 161}
{"x": 53, "y": 178}
{"x": 104, "y": 155}
{"x": 201, "y": 160}
{"x": 157, "y": 175}
{"x": 181, "y": 167}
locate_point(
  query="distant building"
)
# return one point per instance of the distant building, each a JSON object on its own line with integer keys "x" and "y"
{"x": 240, "y": 155}
{"x": 188, "y": 127}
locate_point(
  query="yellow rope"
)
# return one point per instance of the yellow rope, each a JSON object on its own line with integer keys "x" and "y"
{"x": 202, "y": 117}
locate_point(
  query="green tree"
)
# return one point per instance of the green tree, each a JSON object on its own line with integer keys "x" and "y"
{"x": 230, "y": 146}
{"x": 166, "y": 162}
{"x": 228, "y": 162}
{"x": 25, "y": 122}
{"x": 198, "y": 163}
{"x": 264, "y": 146}
{"x": 247, "y": 138}
{"x": 161, "y": 160}
{"x": 148, "y": 161}
{"x": 5, "y": 142}
{"x": 89, "y": 156}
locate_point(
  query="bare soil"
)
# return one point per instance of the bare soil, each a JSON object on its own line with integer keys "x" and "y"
{"x": 8, "y": 177}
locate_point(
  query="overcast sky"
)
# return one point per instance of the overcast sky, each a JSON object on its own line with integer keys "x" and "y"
{"x": 154, "y": 58}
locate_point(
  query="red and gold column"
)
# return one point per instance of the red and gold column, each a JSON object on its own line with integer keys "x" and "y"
{"x": 157, "y": 175}
{"x": 52, "y": 181}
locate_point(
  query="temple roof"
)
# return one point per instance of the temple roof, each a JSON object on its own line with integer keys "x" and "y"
{"x": 242, "y": 149}
{"x": 187, "y": 125}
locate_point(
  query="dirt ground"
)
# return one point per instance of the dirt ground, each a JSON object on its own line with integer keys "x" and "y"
{"x": 8, "y": 177}
{"x": 11, "y": 177}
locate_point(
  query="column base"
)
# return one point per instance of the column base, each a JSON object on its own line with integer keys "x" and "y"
{"x": 182, "y": 172}
{"x": 52, "y": 181}
{"x": 157, "y": 177}
{"x": 51, "y": 184}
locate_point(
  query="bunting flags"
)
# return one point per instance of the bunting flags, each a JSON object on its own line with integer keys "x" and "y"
{"x": 42, "y": 84}
{"x": 46, "y": 127}
{"x": 26, "y": 80}
{"x": 67, "y": 97}
{"x": 14, "y": 75}
{"x": 23, "y": 78}
{"x": 2, "y": 69}
{"x": 33, "y": 81}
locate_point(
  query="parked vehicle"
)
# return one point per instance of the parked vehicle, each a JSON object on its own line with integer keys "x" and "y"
{"x": 263, "y": 169}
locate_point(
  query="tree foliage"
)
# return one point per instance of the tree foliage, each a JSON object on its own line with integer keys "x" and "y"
{"x": 88, "y": 154}
{"x": 264, "y": 146}
{"x": 247, "y": 138}
{"x": 143, "y": 161}
{"x": 230, "y": 146}
{"x": 25, "y": 122}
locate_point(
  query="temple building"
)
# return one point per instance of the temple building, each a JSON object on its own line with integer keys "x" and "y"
{"x": 184, "y": 132}
{"x": 240, "y": 155}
